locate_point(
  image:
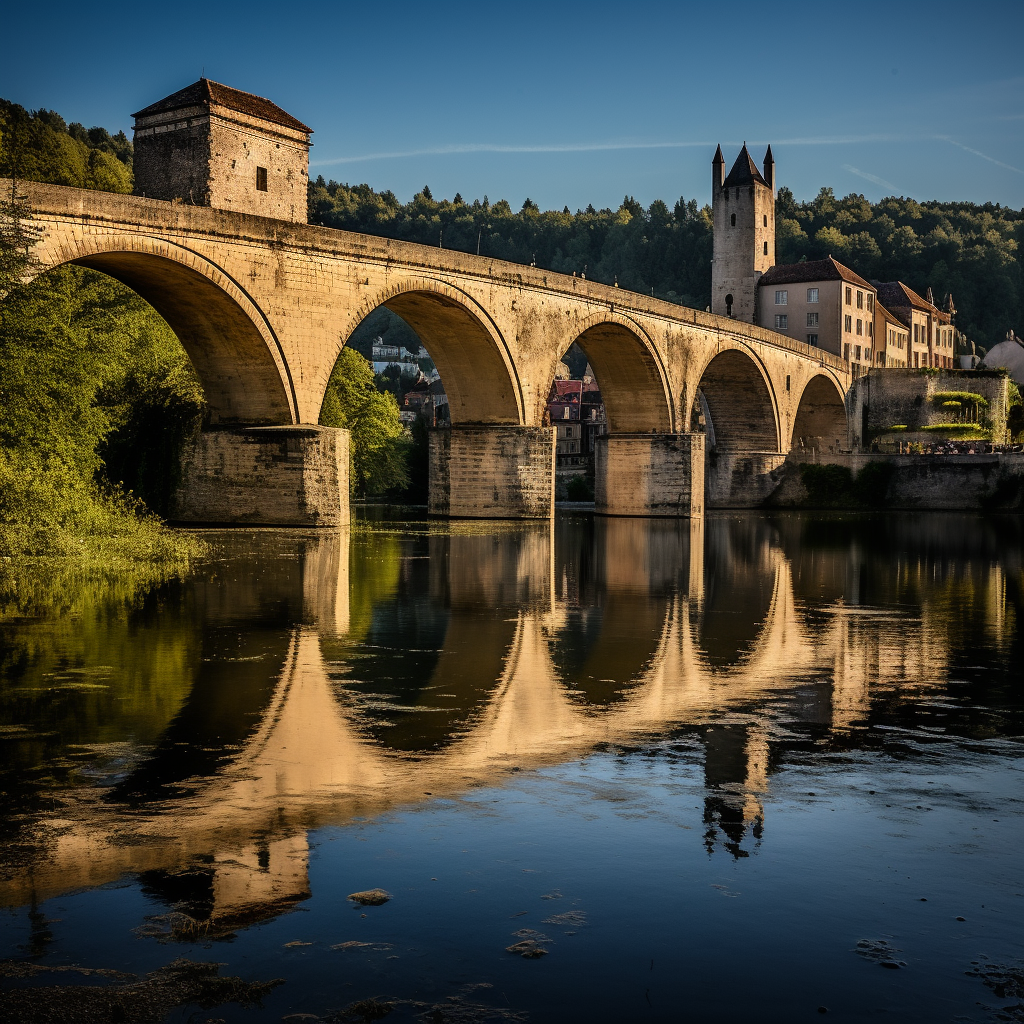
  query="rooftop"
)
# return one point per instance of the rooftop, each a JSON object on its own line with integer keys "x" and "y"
{"x": 744, "y": 171}
{"x": 897, "y": 294}
{"x": 827, "y": 269}
{"x": 205, "y": 93}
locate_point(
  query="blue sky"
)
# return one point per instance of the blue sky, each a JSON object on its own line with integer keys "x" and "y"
{"x": 575, "y": 103}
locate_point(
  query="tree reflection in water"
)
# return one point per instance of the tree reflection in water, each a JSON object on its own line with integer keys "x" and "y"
{"x": 302, "y": 679}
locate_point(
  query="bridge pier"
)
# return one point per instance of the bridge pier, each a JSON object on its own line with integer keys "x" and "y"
{"x": 649, "y": 475}
{"x": 741, "y": 479}
{"x": 492, "y": 472}
{"x": 265, "y": 476}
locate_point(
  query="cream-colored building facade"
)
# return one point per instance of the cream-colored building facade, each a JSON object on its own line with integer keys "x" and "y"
{"x": 930, "y": 330}
{"x": 821, "y": 303}
{"x": 892, "y": 343}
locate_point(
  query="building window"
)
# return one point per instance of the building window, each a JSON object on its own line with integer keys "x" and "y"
{"x": 261, "y": 179}
{"x": 766, "y": 248}
{"x": 871, "y": 329}
{"x": 849, "y": 296}
{"x": 782, "y": 298}
{"x": 812, "y": 319}
{"x": 781, "y": 322}
{"x": 728, "y": 305}
{"x": 871, "y": 303}
{"x": 565, "y": 413}
{"x": 846, "y": 351}
{"x": 734, "y": 220}
{"x": 848, "y": 323}
{"x": 812, "y": 339}
{"x": 860, "y": 300}
{"x": 860, "y": 326}
{"x": 812, "y": 294}
{"x": 916, "y": 337}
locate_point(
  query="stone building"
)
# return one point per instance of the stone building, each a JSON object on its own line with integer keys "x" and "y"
{"x": 930, "y": 330}
{"x": 743, "y": 204}
{"x": 211, "y": 145}
{"x": 821, "y": 303}
{"x": 892, "y": 342}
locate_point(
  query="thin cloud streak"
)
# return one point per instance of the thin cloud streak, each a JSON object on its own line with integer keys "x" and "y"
{"x": 869, "y": 177}
{"x": 978, "y": 152}
{"x": 589, "y": 147}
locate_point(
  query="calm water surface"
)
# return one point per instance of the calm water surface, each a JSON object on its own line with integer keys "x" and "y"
{"x": 731, "y": 771}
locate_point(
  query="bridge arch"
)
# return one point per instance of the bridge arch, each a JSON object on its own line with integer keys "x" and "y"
{"x": 738, "y": 395}
{"x": 630, "y": 373}
{"x": 235, "y": 352}
{"x": 476, "y": 367}
{"x": 821, "y": 420}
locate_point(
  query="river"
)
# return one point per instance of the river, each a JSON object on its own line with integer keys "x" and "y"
{"x": 760, "y": 767}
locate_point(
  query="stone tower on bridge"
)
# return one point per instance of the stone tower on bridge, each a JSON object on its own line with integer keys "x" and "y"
{"x": 211, "y": 145}
{"x": 743, "y": 204}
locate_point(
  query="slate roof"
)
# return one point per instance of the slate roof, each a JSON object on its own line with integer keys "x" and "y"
{"x": 204, "y": 93}
{"x": 744, "y": 171}
{"x": 827, "y": 269}
{"x": 897, "y": 294}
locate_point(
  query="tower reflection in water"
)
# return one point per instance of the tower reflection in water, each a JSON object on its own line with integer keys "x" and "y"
{"x": 314, "y": 679}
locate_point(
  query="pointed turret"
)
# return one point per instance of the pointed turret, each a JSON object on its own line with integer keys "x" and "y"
{"x": 928, "y": 297}
{"x": 718, "y": 169}
{"x": 769, "y": 169}
{"x": 744, "y": 171}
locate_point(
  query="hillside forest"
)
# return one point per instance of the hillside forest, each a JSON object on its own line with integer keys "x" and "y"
{"x": 97, "y": 395}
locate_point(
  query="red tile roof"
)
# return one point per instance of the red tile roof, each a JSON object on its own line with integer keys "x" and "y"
{"x": 204, "y": 93}
{"x": 897, "y": 294}
{"x": 827, "y": 269}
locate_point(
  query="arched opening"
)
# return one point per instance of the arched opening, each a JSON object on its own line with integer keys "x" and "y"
{"x": 734, "y": 407}
{"x": 443, "y": 366}
{"x": 243, "y": 382}
{"x": 728, "y": 304}
{"x": 632, "y": 386}
{"x": 820, "y": 423}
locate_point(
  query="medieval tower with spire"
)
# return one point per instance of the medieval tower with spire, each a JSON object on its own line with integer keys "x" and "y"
{"x": 743, "y": 204}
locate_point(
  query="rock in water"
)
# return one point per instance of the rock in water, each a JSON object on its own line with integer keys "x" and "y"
{"x": 370, "y": 898}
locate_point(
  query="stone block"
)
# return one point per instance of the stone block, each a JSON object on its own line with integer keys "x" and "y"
{"x": 492, "y": 472}
{"x": 649, "y": 475}
{"x": 742, "y": 479}
{"x": 266, "y": 476}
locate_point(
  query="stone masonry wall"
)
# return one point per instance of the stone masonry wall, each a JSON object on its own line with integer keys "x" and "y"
{"x": 649, "y": 475}
{"x": 492, "y": 472}
{"x": 172, "y": 159}
{"x": 889, "y": 397}
{"x": 266, "y": 476}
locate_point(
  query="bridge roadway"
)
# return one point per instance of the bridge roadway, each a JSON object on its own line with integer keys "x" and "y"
{"x": 264, "y": 307}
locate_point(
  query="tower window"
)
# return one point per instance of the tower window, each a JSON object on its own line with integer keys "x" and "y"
{"x": 261, "y": 179}
{"x": 766, "y": 248}
{"x": 734, "y": 220}
{"x": 787, "y": 381}
{"x": 766, "y": 220}
{"x": 728, "y": 305}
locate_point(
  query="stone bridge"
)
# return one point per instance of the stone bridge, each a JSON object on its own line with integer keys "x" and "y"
{"x": 701, "y": 409}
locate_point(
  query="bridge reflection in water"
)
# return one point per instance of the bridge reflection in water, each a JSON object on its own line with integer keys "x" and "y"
{"x": 336, "y": 676}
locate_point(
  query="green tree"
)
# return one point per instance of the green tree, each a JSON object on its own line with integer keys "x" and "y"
{"x": 379, "y": 450}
